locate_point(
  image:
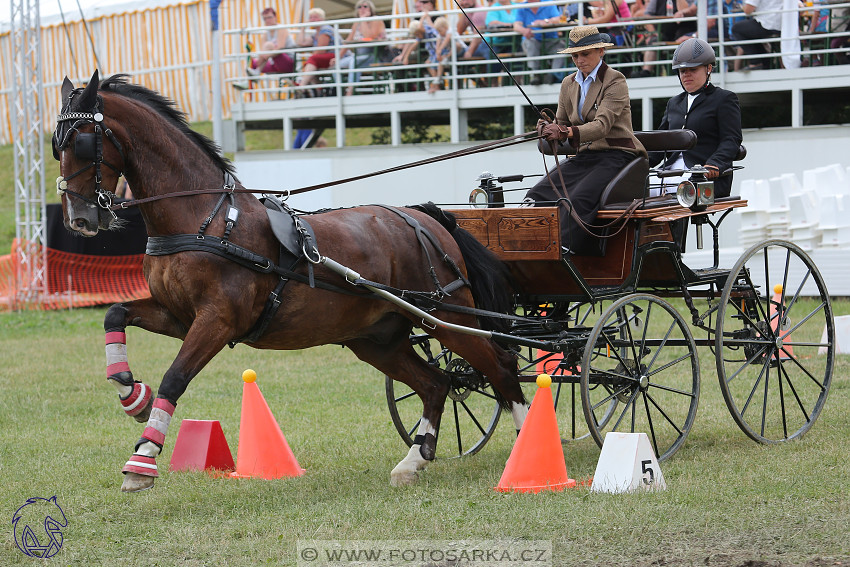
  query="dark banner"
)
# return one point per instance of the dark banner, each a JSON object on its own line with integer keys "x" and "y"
{"x": 129, "y": 240}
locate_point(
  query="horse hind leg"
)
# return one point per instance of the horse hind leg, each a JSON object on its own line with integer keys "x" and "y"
{"x": 400, "y": 362}
{"x": 494, "y": 362}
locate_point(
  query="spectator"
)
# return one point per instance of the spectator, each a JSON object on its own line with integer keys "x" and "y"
{"x": 271, "y": 59}
{"x": 674, "y": 32}
{"x": 758, "y": 26}
{"x": 714, "y": 114}
{"x": 476, "y": 48}
{"x": 594, "y": 116}
{"x": 418, "y": 32}
{"x": 840, "y": 23}
{"x": 614, "y": 11}
{"x": 427, "y": 34}
{"x": 320, "y": 58}
{"x": 528, "y": 21}
{"x": 500, "y": 20}
{"x": 443, "y": 51}
{"x": 361, "y": 32}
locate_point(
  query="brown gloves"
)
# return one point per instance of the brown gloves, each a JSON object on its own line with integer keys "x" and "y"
{"x": 552, "y": 132}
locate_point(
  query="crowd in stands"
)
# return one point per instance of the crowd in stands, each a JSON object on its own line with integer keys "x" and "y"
{"x": 650, "y": 28}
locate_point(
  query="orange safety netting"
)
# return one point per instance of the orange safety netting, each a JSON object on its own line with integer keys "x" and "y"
{"x": 73, "y": 280}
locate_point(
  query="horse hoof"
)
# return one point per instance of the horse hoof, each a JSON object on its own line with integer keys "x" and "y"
{"x": 142, "y": 416}
{"x": 403, "y": 478}
{"x": 136, "y": 482}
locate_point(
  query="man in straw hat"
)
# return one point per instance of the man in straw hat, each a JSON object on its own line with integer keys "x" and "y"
{"x": 595, "y": 118}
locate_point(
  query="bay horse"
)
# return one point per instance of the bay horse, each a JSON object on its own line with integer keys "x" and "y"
{"x": 209, "y": 299}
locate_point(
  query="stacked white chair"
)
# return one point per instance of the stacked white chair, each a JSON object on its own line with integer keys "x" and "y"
{"x": 778, "y": 220}
{"x": 754, "y": 216}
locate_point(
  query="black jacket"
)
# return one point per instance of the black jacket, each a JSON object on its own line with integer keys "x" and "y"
{"x": 715, "y": 116}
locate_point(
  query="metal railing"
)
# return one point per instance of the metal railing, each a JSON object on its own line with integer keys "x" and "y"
{"x": 388, "y": 77}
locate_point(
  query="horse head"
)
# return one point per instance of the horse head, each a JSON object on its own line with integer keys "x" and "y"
{"x": 89, "y": 167}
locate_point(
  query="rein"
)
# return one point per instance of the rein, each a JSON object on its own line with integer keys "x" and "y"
{"x": 480, "y": 148}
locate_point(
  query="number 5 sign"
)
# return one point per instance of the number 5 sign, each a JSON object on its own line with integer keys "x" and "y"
{"x": 627, "y": 463}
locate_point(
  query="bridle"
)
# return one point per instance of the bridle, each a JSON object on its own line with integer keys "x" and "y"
{"x": 87, "y": 146}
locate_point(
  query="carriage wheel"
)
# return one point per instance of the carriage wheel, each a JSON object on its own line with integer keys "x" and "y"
{"x": 471, "y": 411}
{"x": 642, "y": 354}
{"x": 775, "y": 354}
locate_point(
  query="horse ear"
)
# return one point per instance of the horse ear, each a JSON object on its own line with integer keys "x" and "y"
{"x": 89, "y": 97}
{"x": 67, "y": 87}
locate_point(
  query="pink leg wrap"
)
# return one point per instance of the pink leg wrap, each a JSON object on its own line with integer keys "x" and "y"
{"x": 141, "y": 464}
{"x": 138, "y": 400}
{"x": 158, "y": 421}
{"x": 118, "y": 369}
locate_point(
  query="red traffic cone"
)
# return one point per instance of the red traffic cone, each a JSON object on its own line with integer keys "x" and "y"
{"x": 780, "y": 324}
{"x": 201, "y": 446}
{"x": 537, "y": 459}
{"x": 263, "y": 451}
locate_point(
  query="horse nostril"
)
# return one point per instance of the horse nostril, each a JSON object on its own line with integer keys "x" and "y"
{"x": 80, "y": 223}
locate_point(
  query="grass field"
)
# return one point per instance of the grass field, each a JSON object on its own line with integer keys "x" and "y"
{"x": 729, "y": 501}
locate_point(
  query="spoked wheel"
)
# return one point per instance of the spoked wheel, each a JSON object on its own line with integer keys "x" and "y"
{"x": 471, "y": 411}
{"x": 775, "y": 342}
{"x": 641, "y": 354}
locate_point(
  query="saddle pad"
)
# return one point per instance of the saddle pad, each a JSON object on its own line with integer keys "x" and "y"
{"x": 283, "y": 227}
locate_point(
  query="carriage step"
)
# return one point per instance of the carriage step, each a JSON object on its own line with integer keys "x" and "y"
{"x": 707, "y": 274}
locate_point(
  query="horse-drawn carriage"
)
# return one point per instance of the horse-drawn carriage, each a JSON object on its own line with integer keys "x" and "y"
{"x": 223, "y": 268}
{"x": 622, "y": 358}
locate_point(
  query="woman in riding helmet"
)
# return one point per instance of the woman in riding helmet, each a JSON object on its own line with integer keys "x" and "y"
{"x": 713, "y": 113}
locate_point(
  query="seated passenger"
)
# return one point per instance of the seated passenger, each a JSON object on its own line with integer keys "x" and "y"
{"x": 595, "y": 118}
{"x": 711, "y": 112}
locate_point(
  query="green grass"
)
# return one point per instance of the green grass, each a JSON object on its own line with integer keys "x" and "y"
{"x": 729, "y": 501}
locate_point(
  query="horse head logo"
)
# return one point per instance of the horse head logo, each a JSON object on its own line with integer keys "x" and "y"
{"x": 38, "y": 527}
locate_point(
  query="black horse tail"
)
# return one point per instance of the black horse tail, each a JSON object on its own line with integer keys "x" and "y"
{"x": 490, "y": 278}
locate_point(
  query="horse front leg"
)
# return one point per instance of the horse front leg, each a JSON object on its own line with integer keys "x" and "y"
{"x": 204, "y": 340}
{"x": 136, "y": 397}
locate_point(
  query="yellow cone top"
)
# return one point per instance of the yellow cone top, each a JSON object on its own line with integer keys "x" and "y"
{"x": 249, "y": 376}
{"x": 544, "y": 381}
{"x": 777, "y": 288}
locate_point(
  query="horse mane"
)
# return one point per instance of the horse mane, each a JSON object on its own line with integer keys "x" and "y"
{"x": 167, "y": 108}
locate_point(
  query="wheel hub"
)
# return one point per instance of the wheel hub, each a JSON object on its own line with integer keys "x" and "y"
{"x": 643, "y": 381}
{"x": 463, "y": 378}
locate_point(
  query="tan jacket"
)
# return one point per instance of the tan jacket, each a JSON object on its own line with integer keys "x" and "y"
{"x": 607, "y": 123}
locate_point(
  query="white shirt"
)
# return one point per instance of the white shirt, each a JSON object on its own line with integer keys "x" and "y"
{"x": 669, "y": 184}
{"x": 767, "y": 21}
{"x": 584, "y": 83}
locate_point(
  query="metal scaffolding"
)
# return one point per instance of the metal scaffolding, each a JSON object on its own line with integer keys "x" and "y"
{"x": 27, "y": 106}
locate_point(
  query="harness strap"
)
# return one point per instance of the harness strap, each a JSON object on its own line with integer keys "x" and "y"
{"x": 269, "y": 311}
{"x": 420, "y": 231}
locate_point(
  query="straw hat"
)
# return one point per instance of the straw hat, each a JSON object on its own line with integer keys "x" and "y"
{"x": 583, "y": 38}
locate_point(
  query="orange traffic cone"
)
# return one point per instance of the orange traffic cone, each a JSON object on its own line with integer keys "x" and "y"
{"x": 263, "y": 451}
{"x": 537, "y": 459}
{"x": 201, "y": 446}
{"x": 780, "y": 324}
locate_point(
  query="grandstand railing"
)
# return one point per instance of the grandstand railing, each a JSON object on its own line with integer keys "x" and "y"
{"x": 282, "y": 91}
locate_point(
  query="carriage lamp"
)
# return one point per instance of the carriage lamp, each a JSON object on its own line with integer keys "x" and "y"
{"x": 695, "y": 195}
{"x": 488, "y": 193}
